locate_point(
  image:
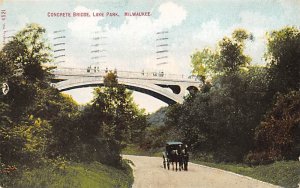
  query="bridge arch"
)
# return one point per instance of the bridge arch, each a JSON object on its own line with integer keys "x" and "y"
{"x": 169, "y": 88}
{"x": 149, "y": 89}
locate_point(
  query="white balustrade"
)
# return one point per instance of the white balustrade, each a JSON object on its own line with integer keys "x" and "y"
{"x": 95, "y": 72}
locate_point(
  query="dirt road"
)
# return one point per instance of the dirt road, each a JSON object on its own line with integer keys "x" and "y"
{"x": 149, "y": 173}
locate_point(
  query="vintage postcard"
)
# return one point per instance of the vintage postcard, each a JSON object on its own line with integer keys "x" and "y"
{"x": 150, "y": 93}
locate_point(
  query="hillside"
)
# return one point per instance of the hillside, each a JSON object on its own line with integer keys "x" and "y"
{"x": 157, "y": 118}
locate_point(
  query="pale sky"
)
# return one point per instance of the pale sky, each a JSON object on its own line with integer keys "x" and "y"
{"x": 129, "y": 43}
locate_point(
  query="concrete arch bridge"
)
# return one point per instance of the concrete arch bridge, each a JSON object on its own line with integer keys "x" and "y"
{"x": 170, "y": 88}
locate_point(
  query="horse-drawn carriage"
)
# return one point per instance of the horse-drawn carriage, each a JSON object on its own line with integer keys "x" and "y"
{"x": 176, "y": 153}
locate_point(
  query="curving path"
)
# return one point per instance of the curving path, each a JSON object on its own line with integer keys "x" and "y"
{"x": 149, "y": 173}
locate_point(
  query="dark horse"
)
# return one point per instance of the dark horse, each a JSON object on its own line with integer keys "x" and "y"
{"x": 173, "y": 158}
{"x": 184, "y": 158}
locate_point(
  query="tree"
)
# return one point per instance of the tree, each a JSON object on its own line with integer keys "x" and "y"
{"x": 63, "y": 114}
{"x": 278, "y": 136}
{"x": 38, "y": 117}
{"x": 204, "y": 64}
{"x": 112, "y": 101}
{"x": 240, "y": 35}
{"x": 232, "y": 56}
{"x": 23, "y": 61}
{"x": 22, "y": 66}
{"x": 111, "y": 121}
{"x": 229, "y": 57}
{"x": 221, "y": 118}
{"x": 283, "y": 57}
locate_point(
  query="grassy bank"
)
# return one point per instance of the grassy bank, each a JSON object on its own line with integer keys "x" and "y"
{"x": 76, "y": 175}
{"x": 283, "y": 173}
{"x": 132, "y": 149}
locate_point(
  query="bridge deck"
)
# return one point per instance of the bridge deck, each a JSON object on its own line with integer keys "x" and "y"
{"x": 81, "y": 72}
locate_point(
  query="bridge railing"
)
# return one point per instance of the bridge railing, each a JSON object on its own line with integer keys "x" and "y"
{"x": 85, "y": 72}
{"x": 78, "y": 80}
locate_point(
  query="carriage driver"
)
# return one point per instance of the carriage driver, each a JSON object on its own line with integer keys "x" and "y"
{"x": 180, "y": 149}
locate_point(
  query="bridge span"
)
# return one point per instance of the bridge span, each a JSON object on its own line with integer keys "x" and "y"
{"x": 170, "y": 88}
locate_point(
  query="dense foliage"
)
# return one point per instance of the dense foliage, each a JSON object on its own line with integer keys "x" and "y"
{"x": 111, "y": 121}
{"x": 236, "y": 116}
{"x": 23, "y": 133}
{"x": 278, "y": 136}
{"x": 283, "y": 57}
{"x": 41, "y": 127}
